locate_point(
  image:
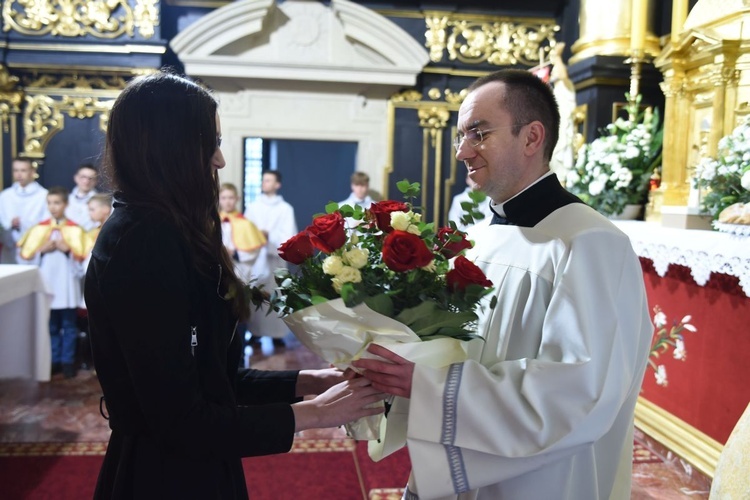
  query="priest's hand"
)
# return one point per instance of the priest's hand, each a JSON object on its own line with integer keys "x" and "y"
{"x": 314, "y": 382}
{"x": 392, "y": 376}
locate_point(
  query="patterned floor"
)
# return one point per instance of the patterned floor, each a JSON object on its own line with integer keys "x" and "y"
{"x": 62, "y": 417}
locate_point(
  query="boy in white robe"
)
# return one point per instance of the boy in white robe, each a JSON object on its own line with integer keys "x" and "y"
{"x": 57, "y": 246}
{"x": 275, "y": 218}
{"x": 78, "y": 201}
{"x": 543, "y": 409}
{"x": 21, "y": 206}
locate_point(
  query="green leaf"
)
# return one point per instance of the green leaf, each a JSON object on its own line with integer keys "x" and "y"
{"x": 380, "y": 303}
{"x": 429, "y": 319}
{"x": 331, "y": 207}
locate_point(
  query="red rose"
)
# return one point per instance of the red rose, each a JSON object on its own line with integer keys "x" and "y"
{"x": 382, "y": 212}
{"x": 404, "y": 251}
{"x": 296, "y": 249}
{"x": 465, "y": 273}
{"x": 327, "y": 232}
{"x": 448, "y": 247}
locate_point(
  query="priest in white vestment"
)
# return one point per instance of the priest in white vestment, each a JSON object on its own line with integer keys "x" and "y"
{"x": 275, "y": 218}
{"x": 543, "y": 409}
{"x": 22, "y": 205}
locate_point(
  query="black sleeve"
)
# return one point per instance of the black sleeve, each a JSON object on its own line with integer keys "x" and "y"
{"x": 264, "y": 386}
{"x": 146, "y": 292}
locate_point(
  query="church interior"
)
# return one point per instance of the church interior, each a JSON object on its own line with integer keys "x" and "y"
{"x": 318, "y": 90}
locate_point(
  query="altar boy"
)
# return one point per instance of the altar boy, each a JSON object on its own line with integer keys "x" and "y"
{"x": 56, "y": 245}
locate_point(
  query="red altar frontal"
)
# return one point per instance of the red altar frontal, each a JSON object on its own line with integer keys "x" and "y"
{"x": 703, "y": 279}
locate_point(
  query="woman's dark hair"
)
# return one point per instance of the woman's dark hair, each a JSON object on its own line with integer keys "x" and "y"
{"x": 161, "y": 137}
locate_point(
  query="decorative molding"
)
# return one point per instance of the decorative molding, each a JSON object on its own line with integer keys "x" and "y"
{"x": 129, "y": 48}
{"x": 299, "y": 41}
{"x": 76, "y": 81}
{"x": 10, "y": 97}
{"x": 44, "y": 117}
{"x": 76, "y": 18}
{"x": 410, "y": 95}
{"x": 499, "y": 41}
{"x": 686, "y": 441}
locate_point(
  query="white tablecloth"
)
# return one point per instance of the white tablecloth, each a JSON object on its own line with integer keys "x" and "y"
{"x": 703, "y": 252}
{"x": 24, "y": 323}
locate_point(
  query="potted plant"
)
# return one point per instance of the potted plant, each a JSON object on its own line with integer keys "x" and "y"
{"x": 725, "y": 180}
{"x": 615, "y": 169}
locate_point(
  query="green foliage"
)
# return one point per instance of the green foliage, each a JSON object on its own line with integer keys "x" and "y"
{"x": 725, "y": 180}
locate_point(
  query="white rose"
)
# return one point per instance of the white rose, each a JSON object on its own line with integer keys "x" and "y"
{"x": 571, "y": 178}
{"x": 356, "y": 257}
{"x": 413, "y": 229}
{"x": 400, "y": 220}
{"x": 596, "y": 187}
{"x": 347, "y": 275}
{"x": 333, "y": 265}
{"x": 745, "y": 181}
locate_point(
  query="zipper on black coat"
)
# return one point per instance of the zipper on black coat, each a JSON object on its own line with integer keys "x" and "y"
{"x": 193, "y": 339}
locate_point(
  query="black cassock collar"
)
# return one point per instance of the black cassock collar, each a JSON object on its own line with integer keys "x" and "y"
{"x": 531, "y": 206}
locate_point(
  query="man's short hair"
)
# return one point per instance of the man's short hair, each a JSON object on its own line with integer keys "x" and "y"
{"x": 360, "y": 179}
{"x": 228, "y": 186}
{"x": 275, "y": 173}
{"x": 527, "y": 98}
{"x": 104, "y": 199}
{"x": 25, "y": 159}
{"x": 88, "y": 166}
{"x": 58, "y": 191}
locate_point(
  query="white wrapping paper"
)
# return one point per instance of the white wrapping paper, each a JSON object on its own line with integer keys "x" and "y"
{"x": 340, "y": 335}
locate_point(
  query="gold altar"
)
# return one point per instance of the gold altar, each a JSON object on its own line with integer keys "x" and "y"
{"x": 707, "y": 92}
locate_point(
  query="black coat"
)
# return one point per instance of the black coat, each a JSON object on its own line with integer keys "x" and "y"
{"x": 181, "y": 415}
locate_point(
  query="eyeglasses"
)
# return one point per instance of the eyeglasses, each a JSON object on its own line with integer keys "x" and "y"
{"x": 218, "y": 141}
{"x": 475, "y": 136}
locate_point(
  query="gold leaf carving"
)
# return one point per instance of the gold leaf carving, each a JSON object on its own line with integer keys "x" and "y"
{"x": 75, "y": 18}
{"x": 433, "y": 117}
{"x": 407, "y": 96}
{"x": 500, "y": 43}
{"x": 44, "y": 117}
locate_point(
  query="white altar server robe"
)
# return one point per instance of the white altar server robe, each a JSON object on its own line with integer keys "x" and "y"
{"x": 544, "y": 410}
{"x": 276, "y": 217}
{"x": 29, "y": 203}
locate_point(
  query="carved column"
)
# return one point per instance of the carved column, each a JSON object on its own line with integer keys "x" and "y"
{"x": 674, "y": 179}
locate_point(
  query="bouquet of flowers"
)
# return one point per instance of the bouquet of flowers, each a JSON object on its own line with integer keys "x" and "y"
{"x": 390, "y": 278}
{"x": 615, "y": 169}
{"x": 726, "y": 178}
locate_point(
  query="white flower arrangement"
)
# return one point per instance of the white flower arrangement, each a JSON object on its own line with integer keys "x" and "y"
{"x": 615, "y": 169}
{"x": 726, "y": 178}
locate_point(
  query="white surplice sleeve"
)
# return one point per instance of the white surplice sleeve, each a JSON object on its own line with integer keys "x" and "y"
{"x": 557, "y": 378}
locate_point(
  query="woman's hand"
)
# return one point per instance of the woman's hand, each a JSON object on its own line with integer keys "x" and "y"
{"x": 314, "y": 382}
{"x": 392, "y": 376}
{"x": 341, "y": 404}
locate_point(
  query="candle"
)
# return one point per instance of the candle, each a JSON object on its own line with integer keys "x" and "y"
{"x": 679, "y": 14}
{"x": 638, "y": 26}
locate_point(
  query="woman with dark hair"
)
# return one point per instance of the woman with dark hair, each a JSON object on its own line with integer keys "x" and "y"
{"x": 163, "y": 301}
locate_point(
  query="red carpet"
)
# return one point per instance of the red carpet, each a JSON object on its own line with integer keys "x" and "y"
{"x": 318, "y": 469}
{"x": 315, "y": 469}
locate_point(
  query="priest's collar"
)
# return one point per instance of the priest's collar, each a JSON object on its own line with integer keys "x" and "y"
{"x": 534, "y": 203}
